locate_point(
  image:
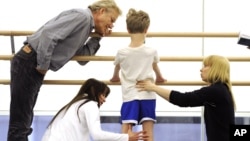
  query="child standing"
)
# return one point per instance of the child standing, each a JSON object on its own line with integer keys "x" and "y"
{"x": 137, "y": 62}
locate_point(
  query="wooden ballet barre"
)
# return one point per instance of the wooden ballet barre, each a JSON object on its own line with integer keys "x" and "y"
{"x": 170, "y": 58}
{"x": 111, "y": 58}
{"x": 15, "y": 33}
{"x": 150, "y": 34}
{"x": 168, "y": 83}
{"x": 6, "y": 57}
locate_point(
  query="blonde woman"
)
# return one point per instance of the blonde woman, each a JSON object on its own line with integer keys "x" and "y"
{"x": 216, "y": 97}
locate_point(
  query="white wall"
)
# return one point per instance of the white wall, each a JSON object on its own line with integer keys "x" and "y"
{"x": 166, "y": 16}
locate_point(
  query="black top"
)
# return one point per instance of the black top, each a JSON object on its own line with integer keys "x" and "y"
{"x": 218, "y": 111}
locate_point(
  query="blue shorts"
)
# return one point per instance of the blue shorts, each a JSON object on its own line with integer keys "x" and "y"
{"x": 137, "y": 111}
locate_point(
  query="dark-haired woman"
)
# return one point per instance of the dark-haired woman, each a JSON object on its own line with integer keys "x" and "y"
{"x": 79, "y": 120}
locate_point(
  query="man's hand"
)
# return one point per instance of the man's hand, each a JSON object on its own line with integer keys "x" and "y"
{"x": 43, "y": 72}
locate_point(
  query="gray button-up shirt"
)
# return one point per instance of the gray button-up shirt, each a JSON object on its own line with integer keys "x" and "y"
{"x": 63, "y": 37}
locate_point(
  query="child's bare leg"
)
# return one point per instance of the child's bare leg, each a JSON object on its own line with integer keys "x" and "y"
{"x": 148, "y": 126}
{"x": 126, "y": 127}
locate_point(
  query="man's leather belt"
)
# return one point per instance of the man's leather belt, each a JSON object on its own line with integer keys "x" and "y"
{"x": 27, "y": 48}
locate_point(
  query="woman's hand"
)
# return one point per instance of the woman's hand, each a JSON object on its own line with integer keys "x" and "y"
{"x": 145, "y": 85}
{"x": 135, "y": 136}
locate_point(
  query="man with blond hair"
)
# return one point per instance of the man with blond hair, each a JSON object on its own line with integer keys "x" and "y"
{"x": 50, "y": 48}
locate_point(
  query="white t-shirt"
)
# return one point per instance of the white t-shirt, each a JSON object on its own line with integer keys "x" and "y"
{"x": 136, "y": 64}
{"x": 68, "y": 127}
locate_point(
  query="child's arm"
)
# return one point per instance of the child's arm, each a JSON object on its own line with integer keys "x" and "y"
{"x": 116, "y": 77}
{"x": 159, "y": 77}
